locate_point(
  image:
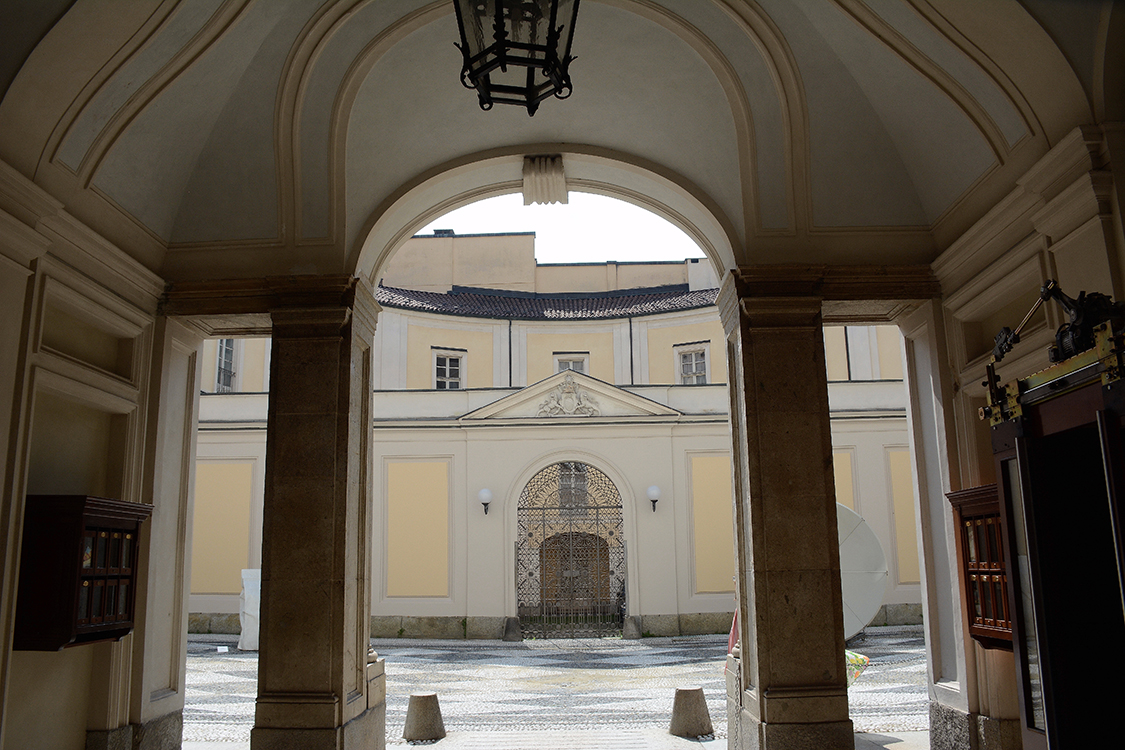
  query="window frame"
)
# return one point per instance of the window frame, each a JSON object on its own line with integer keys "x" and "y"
{"x": 235, "y": 365}
{"x": 692, "y": 347}
{"x": 584, "y": 357}
{"x": 449, "y": 352}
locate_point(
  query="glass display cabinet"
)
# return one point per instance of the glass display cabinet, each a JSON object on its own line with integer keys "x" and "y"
{"x": 78, "y": 571}
{"x": 1057, "y": 442}
{"x": 981, "y": 568}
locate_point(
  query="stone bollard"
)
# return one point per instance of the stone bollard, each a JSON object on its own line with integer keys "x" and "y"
{"x": 689, "y": 713}
{"x": 423, "y": 718}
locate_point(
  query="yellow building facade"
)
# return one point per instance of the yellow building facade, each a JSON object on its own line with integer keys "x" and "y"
{"x": 445, "y": 433}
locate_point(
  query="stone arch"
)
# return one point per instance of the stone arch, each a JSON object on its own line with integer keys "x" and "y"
{"x": 592, "y": 170}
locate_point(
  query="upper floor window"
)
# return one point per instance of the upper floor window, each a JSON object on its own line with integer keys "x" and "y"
{"x": 449, "y": 369}
{"x": 576, "y": 361}
{"x": 224, "y": 367}
{"x": 692, "y": 361}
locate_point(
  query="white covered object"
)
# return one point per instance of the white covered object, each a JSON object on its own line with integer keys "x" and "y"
{"x": 248, "y": 608}
{"x": 863, "y": 570}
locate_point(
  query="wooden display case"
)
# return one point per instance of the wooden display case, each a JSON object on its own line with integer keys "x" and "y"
{"x": 78, "y": 571}
{"x": 981, "y": 568}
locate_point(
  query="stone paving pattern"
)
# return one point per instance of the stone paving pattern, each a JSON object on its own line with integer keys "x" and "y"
{"x": 573, "y": 685}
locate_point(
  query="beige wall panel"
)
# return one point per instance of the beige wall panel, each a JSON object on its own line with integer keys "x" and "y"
{"x": 420, "y": 360}
{"x": 254, "y": 377}
{"x": 426, "y": 265}
{"x": 207, "y": 365}
{"x": 631, "y": 276}
{"x": 48, "y": 699}
{"x": 1082, "y": 262}
{"x": 566, "y": 278}
{"x": 902, "y": 494}
{"x": 713, "y": 524}
{"x": 220, "y": 545}
{"x": 845, "y": 483}
{"x": 68, "y": 334}
{"x": 506, "y": 262}
{"x": 836, "y": 352}
{"x": 417, "y": 528}
{"x": 890, "y": 352}
{"x": 70, "y": 446}
{"x": 542, "y": 346}
{"x": 662, "y": 362}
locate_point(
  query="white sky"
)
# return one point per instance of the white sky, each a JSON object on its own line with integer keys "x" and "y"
{"x": 588, "y": 229}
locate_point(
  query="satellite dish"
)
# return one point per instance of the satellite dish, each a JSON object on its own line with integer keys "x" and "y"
{"x": 863, "y": 570}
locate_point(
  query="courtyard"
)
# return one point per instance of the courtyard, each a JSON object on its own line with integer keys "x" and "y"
{"x": 562, "y": 693}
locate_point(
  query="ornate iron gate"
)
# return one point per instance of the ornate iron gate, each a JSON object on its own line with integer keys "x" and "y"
{"x": 570, "y": 554}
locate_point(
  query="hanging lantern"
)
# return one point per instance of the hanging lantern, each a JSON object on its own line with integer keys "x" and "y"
{"x": 516, "y": 51}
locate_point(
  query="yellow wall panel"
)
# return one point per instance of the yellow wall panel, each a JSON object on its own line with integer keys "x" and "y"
{"x": 890, "y": 352}
{"x": 845, "y": 484}
{"x": 836, "y": 352}
{"x": 254, "y": 377}
{"x": 418, "y": 528}
{"x": 662, "y": 361}
{"x": 906, "y": 535}
{"x": 220, "y": 544}
{"x": 542, "y": 346}
{"x": 420, "y": 359}
{"x": 713, "y": 524}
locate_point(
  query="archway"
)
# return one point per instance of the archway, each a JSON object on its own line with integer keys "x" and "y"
{"x": 570, "y": 553}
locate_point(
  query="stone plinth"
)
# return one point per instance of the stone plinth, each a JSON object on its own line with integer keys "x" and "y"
{"x": 689, "y": 713}
{"x": 423, "y": 718}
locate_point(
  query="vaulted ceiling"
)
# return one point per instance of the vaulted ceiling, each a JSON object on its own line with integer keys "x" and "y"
{"x": 242, "y": 137}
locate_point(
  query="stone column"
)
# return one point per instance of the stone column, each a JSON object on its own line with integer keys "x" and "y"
{"x": 315, "y": 606}
{"x": 791, "y": 690}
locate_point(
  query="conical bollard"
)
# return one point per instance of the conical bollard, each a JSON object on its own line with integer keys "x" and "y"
{"x": 689, "y": 713}
{"x": 423, "y": 718}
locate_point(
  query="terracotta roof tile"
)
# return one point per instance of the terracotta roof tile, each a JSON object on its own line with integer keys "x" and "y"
{"x": 491, "y": 303}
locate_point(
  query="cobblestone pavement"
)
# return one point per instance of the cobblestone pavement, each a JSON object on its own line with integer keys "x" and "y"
{"x": 572, "y": 686}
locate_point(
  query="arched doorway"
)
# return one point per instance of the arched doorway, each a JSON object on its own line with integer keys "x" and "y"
{"x": 570, "y": 554}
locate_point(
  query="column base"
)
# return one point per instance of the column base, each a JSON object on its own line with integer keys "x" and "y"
{"x": 162, "y": 733}
{"x": 368, "y": 731}
{"x": 752, "y": 734}
{"x": 110, "y": 739}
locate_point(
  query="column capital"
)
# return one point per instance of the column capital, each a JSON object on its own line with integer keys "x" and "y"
{"x": 254, "y": 306}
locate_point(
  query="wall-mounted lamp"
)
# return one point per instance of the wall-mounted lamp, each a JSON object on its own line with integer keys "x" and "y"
{"x": 485, "y": 497}
{"x": 653, "y": 493}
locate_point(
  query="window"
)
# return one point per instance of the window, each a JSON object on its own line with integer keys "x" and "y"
{"x": 576, "y": 361}
{"x": 449, "y": 369}
{"x": 693, "y": 366}
{"x": 224, "y": 367}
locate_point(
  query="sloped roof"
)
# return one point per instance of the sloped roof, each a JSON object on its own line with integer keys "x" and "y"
{"x": 492, "y": 303}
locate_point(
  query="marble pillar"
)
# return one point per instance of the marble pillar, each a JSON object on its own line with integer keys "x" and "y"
{"x": 791, "y": 687}
{"x": 315, "y": 599}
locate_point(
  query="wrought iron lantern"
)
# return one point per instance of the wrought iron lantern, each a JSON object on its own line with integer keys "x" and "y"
{"x": 516, "y": 51}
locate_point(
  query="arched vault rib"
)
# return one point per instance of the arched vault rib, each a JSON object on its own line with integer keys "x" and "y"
{"x": 930, "y": 70}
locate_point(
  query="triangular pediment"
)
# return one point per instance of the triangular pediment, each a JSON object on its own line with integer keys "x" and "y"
{"x": 572, "y": 396}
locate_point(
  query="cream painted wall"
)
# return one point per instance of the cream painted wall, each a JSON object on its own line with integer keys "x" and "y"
{"x": 48, "y": 698}
{"x": 662, "y": 365}
{"x": 437, "y": 263}
{"x": 220, "y": 546}
{"x": 417, "y": 530}
{"x": 906, "y": 535}
{"x": 207, "y": 365}
{"x": 420, "y": 363}
{"x": 712, "y": 523}
{"x": 84, "y": 467}
{"x": 542, "y": 346}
